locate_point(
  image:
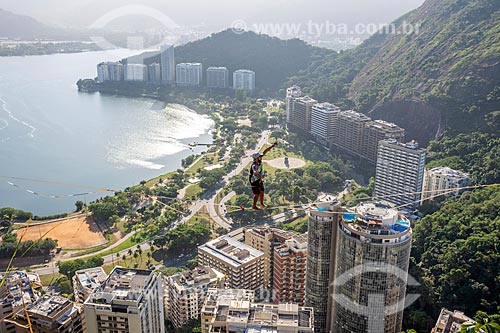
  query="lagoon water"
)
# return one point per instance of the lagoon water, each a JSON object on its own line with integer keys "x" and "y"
{"x": 50, "y": 131}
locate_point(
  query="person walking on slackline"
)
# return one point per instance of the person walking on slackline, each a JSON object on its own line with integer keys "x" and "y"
{"x": 256, "y": 177}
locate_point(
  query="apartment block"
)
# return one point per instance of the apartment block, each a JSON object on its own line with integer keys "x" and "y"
{"x": 110, "y": 71}
{"x": 451, "y": 321}
{"x": 217, "y": 77}
{"x": 291, "y": 93}
{"x": 237, "y": 314}
{"x": 154, "y": 73}
{"x": 289, "y": 271}
{"x": 85, "y": 281}
{"x": 324, "y": 119}
{"x": 50, "y": 314}
{"x": 350, "y": 131}
{"x": 189, "y": 74}
{"x": 130, "y": 300}
{"x": 376, "y": 131}
{"x": 300, "y": 112}
{"x": 265, "y": 239}
{"x": 244, "y": 79}
{"x": 136, "y": 72}
{"x": 441, "y": 180}
{"x": 242, "y": 265}
{"x": 371, "y": 271}
{"x": 216, "y": 307}
{"x": 185, "y": 293}
{"x": 15, "y": 289}
{"x": 399, "y": 173}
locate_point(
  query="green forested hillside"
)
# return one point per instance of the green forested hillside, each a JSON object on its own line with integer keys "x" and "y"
{"x": 456, "y": 256}
{"x": 451, "y": 65}
{"x": 272, "y": 59}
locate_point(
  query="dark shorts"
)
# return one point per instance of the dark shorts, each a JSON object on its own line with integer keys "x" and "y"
{"x": 257, "y": 186}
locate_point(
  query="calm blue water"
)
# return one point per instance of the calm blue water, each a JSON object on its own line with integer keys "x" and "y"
{"x": 50, "y": 131}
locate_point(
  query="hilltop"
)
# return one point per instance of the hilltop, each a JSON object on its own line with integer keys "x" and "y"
{"x": 25, "y": 27}
{"x": 272, "y": 59}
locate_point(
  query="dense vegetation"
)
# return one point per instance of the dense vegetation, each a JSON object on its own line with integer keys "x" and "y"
{"x": 69, "y": 267}
{"x": 30, "y": 248}
{"x": 272, "y": 59}
{"x": 456, "y": 257}
{"x": 476, "y": 153}
{"x": 185, "y": 238}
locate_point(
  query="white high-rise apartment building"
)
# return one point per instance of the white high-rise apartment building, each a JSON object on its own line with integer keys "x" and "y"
{"x": 136, "y": 72}
{"x": 102, "y": 72}
{"x": 167, "y": 64}
{"x": 400, "y": 173}
{"x": 323, "y": 122}
{"x": 130, "y": 300}
{"x": 291, "y": 94}
{"x": 189, "y": 74}
{"x": 217, "y": 77}
{"x": 244, "y": 79}
{"x": 109, "y": 71}
{"x": 154, "y": 73}
{"x": 443, "y": 180}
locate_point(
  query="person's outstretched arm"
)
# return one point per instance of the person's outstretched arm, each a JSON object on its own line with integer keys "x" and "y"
{"x": 269, "y": 148}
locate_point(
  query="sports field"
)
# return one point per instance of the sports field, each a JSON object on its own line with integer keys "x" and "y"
{"x": 73, "y": 233}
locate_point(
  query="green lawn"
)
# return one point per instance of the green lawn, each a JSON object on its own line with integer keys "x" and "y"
{"x": 206, "y": 160}
{"x": 193, "y": 190}
{"x": 154, "y": 181}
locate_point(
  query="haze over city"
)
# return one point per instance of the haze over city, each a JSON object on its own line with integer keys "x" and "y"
{"x": 218, "y": 14}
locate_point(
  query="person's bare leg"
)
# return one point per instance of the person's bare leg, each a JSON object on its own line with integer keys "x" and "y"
{"x": 261, "y": 195}
{"x": 255, "y": 198}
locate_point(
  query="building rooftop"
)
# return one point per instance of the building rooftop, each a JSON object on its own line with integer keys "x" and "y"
{"x": 305, "y": 99}
{"x": 194, "y": 278}
{"x": 412, "y": 145}
{"x": 244, "y": 71}
{"x": 10, "y": 292}
{"x": 450, "y": 321}
{"x": 376, "y": 221}
{"x": 122, "y": 285}
{"x": 188, "y": 64}
{"x": 231, "y": 251}
{"x": 49, "y": 306}
{"x": 211, "y": 68}
{"x": 353, "y": 115}
{"x": 295, "y": 244}
{"x": 384, "y": 125}
{"x": 448, "y": 172}
{"x": 326, "y": 107}
{"x": 91, "y": 277}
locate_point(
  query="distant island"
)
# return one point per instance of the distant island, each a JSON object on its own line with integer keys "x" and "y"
{"x": 26, "y": 48}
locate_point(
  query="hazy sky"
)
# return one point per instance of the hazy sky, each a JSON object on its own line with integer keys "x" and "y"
{"x": 218, "y": 13}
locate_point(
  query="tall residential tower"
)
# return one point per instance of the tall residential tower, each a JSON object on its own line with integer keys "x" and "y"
{"x": 167, "y": 64}
{"x": 400, "y": 173}
{"x": 371, "y": 274}
{"x": 321, "y": 248}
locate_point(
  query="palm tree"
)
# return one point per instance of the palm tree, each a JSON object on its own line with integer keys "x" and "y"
{"x": 118, "y": 257}
{"x": 124, "y": 258}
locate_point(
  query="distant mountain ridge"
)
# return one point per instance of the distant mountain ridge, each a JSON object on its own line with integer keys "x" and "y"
{"x": 443, "y": 78}
{"x": 25, "y": 27}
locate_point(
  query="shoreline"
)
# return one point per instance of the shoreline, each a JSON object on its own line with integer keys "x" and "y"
{"x": 157, "y": 105}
